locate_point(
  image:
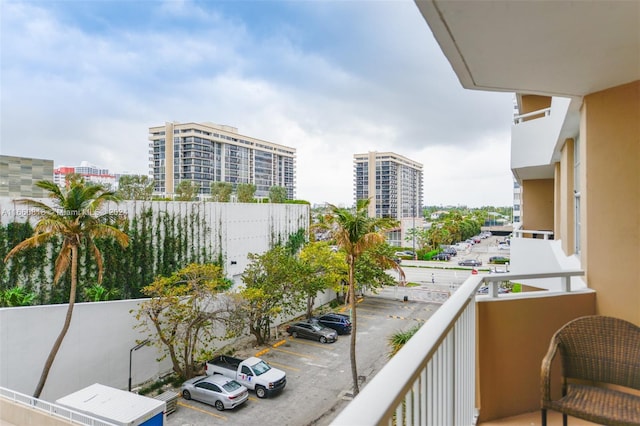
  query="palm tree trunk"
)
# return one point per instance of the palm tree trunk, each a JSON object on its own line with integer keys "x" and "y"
{"x": 65, "y": 326}
{"x": 352, "y": 304}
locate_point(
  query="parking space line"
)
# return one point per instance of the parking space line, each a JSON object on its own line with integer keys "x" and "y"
{"x": 294, "y": 353}
{"x": 317, "y": 345}
{"x": 403, "y": 318}
{"x": 282, "y": 366}
{"x": 182, "y": 404}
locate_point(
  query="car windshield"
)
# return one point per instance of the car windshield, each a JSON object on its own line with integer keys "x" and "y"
{"x": 231, "y": 385}
{"x": 260, "y": 368}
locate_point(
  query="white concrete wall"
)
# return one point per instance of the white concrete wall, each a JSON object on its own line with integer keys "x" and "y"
{"x": 96, "y": 348}
{"x": 236, "y": 229}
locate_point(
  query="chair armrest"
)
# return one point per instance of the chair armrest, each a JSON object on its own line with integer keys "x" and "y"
{"x": 545, "y": 371}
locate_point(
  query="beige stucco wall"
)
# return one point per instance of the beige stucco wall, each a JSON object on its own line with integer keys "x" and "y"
{"x": 610, "y": 202}
{"x": 538, "y": 204}
{"x": 532, "y": 103}
{"x": 513, "y": 337}
{"x": 12, "y": 413}
{"x": 565, "y": 208}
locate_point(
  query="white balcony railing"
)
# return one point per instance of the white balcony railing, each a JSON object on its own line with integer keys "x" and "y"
{"x": 521, "y": 233}
{"x": 431, "y": 380}
{"x": 537, "y": 114}
{"x": 71, "y": 416}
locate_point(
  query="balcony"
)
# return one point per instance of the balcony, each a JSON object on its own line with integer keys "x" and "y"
{"x": 477, "y": 360}
{"x": 534, "y": 140}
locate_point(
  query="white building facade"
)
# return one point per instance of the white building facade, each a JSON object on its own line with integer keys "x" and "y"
{"x": 391, "y": 181}
{"x": 204, "y": 153}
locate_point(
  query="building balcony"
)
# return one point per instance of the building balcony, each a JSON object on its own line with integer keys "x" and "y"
{"x": 535, "y": 251}
{"x": 536, "y": 138}
{"x": 477, "y": 360}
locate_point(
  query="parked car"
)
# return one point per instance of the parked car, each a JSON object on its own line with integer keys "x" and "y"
{"x": 339, "y": 322}
{"x": 441, "y": 256}
{"x": 313, "y": 331}
{"x": 501, "y": 260}
{"x": 220, "y": 391}
{"x": 451, "y": 251}
{"x": 477, "y": 239}
{"x": 470, "y": 262}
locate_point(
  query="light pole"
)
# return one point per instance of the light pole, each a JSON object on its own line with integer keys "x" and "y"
{"x": 135, "y": 348}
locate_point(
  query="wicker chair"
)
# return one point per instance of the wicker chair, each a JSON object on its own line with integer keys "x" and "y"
{"x": 595, "y": 350}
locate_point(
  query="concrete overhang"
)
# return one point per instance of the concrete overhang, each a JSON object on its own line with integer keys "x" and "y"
{"x": 556, "y": 48}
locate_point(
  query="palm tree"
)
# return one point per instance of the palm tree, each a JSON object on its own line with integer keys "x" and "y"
{"x": 77, "y": 219}
{"x": 356, "y": 232}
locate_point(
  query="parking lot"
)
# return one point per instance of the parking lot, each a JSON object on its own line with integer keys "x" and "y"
{"x": 318, "y": 375}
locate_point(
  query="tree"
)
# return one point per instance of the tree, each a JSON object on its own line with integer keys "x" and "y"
{"x": 135, "y": 187}
{"x": 187, "y": 191}
{"x": 322, "y": 268}
{"x": 271, "y": 288}
{"x": 183, "y": 311}
{"x": 372, "y": 266}
{"x": 78, "y": 221}
{"x": 277, "y": 194}
{"x": 221, "y": 191}
{"x": 356, "y": 233}
{"x": 245, "y": 192}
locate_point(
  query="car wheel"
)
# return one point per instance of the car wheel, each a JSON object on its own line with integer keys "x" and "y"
{"x": 219, "y": 405}
{"x": 294, "y": 334}
{"x": 261, "y": 392}
{"x": 323, "y": 339}
{"x": 186, "y": 394}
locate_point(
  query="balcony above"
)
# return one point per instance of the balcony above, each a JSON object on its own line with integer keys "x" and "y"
{"x": 536, "y": 139}
{"x": 556, "y": 48}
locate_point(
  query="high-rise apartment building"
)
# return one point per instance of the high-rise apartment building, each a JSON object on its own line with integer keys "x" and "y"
{"x": 391, "y": 181}
{"x": 205, "y": 153}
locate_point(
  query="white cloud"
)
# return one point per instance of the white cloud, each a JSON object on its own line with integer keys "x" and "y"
{"x": 349, "y": 78}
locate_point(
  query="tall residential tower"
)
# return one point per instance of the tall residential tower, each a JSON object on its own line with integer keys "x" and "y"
{"x": 391, "y": 181}
{"x": 205, "y": 153}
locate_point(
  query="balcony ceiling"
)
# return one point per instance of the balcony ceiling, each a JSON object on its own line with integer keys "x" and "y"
{"x": 561, "y": 48}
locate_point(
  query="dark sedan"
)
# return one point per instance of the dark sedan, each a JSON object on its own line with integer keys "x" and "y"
{"x": 338, "y": 322}
{"x": 441, "y": 256}
{"x": 313, "y": 331}
{"x": 470, "y": 262}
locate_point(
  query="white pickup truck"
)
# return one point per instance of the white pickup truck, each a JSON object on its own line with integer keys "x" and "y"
{"x": 252, "y": 372}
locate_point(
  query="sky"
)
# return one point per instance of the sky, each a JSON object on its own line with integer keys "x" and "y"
{"x": 83, "y": 80}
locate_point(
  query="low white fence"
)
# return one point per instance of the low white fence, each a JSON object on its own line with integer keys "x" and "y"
{"x": 55, "y": 410}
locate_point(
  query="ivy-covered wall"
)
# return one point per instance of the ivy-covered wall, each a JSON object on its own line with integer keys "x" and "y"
{"x": 164, "y": 236}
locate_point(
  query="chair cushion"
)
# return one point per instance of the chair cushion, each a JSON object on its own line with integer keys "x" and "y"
{"x": 599, "y": 405}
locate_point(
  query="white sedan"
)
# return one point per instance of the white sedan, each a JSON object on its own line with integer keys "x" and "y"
{"x": 217, "y": 390}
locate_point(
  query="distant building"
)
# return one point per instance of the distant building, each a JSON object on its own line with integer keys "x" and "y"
{"x": 205, "y": 153}
{"x": 391, "y": 181}
{"x": 89, "y": 172}
{"x": 517, "y": 205}
{"x": 18, "y": 176}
